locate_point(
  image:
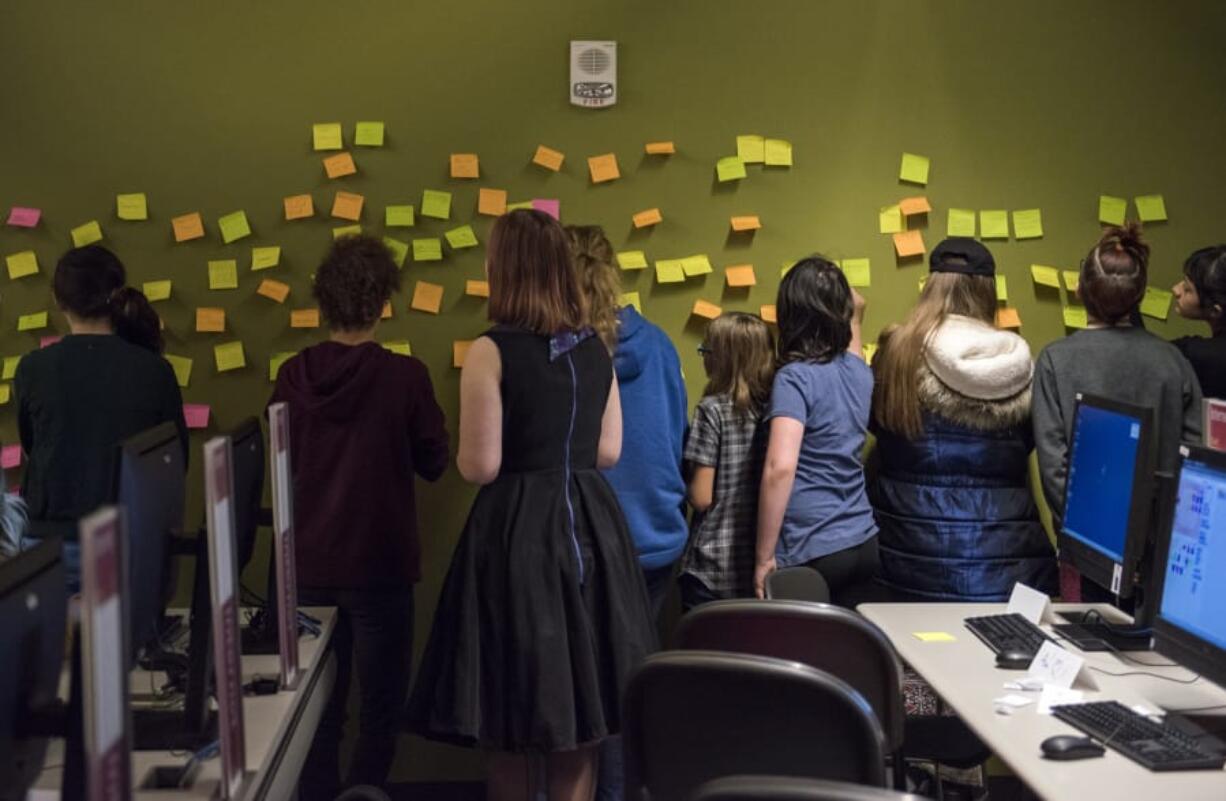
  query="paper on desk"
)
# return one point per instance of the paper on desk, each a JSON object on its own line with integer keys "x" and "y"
{"x": 1028, "y": 602}
{"x": 1008, "y": 704}
{"x": 1055, "y": 696}
{"x": 934, "y": 636}
{"x": 1057, "y": 667}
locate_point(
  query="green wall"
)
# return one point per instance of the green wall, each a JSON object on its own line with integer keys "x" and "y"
{"x": 208, "y": 107}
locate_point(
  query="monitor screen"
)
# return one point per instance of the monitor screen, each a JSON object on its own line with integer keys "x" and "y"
{"x": 1101, "y": 470}
{"x": 1194, "y": 595}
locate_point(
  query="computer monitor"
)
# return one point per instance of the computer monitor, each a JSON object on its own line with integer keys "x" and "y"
{"x": 247, "y": 446}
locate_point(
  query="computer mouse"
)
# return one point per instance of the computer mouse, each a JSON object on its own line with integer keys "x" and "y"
{"x": 1070, "y": 746}
{"x": 1014, "y": 660}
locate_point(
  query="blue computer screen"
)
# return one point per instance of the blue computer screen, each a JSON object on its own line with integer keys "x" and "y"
{"x": 1198, "y": 552}
{"x": 1102, "y": 464}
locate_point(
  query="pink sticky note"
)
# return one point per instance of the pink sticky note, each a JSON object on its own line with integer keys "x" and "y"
{"x": 10, "y": 456}
{"x": 24, "y": 217}
{"x": 46, "y": 342}
{"x": 550, "y": 207}
{"x": 196, "y": 415}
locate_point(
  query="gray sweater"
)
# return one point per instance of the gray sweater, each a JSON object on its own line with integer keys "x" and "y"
{"x": 1124, "y": 364}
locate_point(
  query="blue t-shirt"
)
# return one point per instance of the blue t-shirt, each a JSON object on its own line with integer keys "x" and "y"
{"x": 828, "y": 510}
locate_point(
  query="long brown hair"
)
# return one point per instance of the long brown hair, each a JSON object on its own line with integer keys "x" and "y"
{"x": 741, "y": 360}
{"x": 598, "y": 278}
{"x": 896, "y": 403}
{"x": 1114, "y": 274}
{"x": 532, "y": 282}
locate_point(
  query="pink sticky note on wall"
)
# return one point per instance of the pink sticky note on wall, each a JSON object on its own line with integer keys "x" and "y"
{"x": 24, "y": 217}
{"x": 48, "y": 341}
{"x": 550, "y": 207}
{"x": 10, "y": 456}
{"x": 196, "y": 415}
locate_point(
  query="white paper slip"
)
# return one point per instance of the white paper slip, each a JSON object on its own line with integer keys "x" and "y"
{"x": 1025, "y": 685}
{"x": 1054, "y": 666}
{"x": 1055, "y": 696}
{"x": 1028, "y": 602}
{"x": 1008, "y": 704}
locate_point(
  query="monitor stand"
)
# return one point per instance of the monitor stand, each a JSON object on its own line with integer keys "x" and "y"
{"x": 1087, "y": 631}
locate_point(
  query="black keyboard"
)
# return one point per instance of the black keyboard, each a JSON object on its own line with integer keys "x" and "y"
{"x": 1010, "y": 632}
{"x": 1157, "y": 746}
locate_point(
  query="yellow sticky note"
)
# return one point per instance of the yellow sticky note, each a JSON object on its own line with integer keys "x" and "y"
{"x": 660, "y": 148}
{"x": 386, "y": 314}
{"x": 548, "y": 158}
{"x": 398, "y": 217}
{"x": 465, "y": 165}
{"x": 632, "y": 260}
{"x": 786, "y": 267}
{"x": 188, "y": 226}
{"x": 400, "y": 346}
{"x": 751, "y": 148}
{"x": 1075, "y": 317}
{"x": 327, "y": 136}
{"x": 768, "y": 314}
{"x": 960, "y": 222}
{"x": 1111, "y": 209}
{"x": 368, "y": 133}
{"x": 934, "y": 636}
{"x": 1072, "y": 279}
{"x": 1002, "y": 288}
{"x": 210, "y": 320}
{"x": 706, "y": 310}
{"x": 858, "y": 272}
{"x": 778, "y": 153}
{"x": 436, "y": 204}
{"x": 730, "y": 168}
{"x": 86, "y": 234}
{"x": 994, "y": 224}
{"x": 603, "y": 168}
{"x": 669, "y": 271}
{"x": 223, "y": 274}
{"x": 10, "y": 367}
{"x": 492, "y": 202}
{"x": 304, "y": 318}
{"x": 132, "y": 206}
{"x": 346, "y": 230}
{"x": 22, "y": 264}
{"x": 275, "y": 362}
{"x": 340, "y": 165}
{"x": 1028, "y": 223}
{"x": 1007, "y": 318}
{"x": 696, "y": 265}
{"x": 740, "y": 275}
{"x": 746, "y": 222}
{"x": 1045, "y": 276}
{"x": 1150, "y": 208}
{"x": 889, "y": 219}
{"x": 870, "y": 350}
{"x": 477, "y": 289}
{"x": 229, "y": 356}
{"x": 182, "y": 367}
{"x": 647, "y": 217}
{"x": 914, "y": 169}
{"x": 32, "y": 322}
{"x": 427, "y": 297}
{"x": 630, "y": 299}
{"x": 298, "y": 207}
{"x": 347, "y": 206}
{"x": 273, "y": 290}
{"x": 908, "y": 243}
{"x": 427, "y": 249}
{"x": 400, "y": 250}
{"x": 523, "y": 204}
{"x": 265, "y": 257}
{"x": 459, "y": 351}
{"x": 462, "y": 237}
{"x": 1156, "y": 303}
{"x": 234, "y": 226}
{"x": 157, "y": 290}
{"x": 6, "y": 394}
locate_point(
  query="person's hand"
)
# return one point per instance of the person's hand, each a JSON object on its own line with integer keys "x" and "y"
{"x": 760, "y": 572}
{"x": 858, "y": 303}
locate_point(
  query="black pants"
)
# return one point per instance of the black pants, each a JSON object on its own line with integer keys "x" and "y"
{"x": 694, "y": 592}
{"x": 849, "y": 572}
{"x": 375, "y": 629}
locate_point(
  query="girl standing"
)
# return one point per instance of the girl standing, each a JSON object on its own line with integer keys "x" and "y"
{"x": 1201, "y": 295}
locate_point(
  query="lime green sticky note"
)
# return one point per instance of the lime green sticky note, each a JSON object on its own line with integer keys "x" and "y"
{"x": 695, "y": 265}
{"x": 1045, "y": 276}
{"x": 1072, "y": 279}
{"x": 785, "y": 267}
{"x": 436, "y": 204}
{"x": 368, "y": 134}
{"x": 1111, "y": 209}
{"x": 10, "y": 367}
{"x": 751, "y": 148}
{"x": 400, "y": 250}
{"x": 1156, "y": 303}
{"x": 400, "y": 346}
{"x": 858, "y": 272}
{"x": 462, "y": 237}
{"x": 265, "y": 257}
{"x": 669, "y": 271}
{"x": 346, "y": 230}
{"x": 914, "y": 169}
{"x": 778, "y": 153}
{"x": 32, "y": 322}
{"x": 157, "y": 290}
{"x": 229, "y": 356}
{"x": 234, "y": 226}
{"x": 934, "y": 636}
{"x": 1028, "y": 223}
{"x": 278, "y": 359}
{"x": 22, "y": 264}
{"x": 223, "y": 274}
{"x": 730, "y": 168}
{"x": 1002, "y": 289}
{"x": 630, "y": 299}
{"x": 994, "y": 224}
{"x": 632, "y": 260}
{"x": 889, "y": 219}
{"x": 182, "y": 367}
{"x": 398, "y": 217}
{"x": 132, "y": 206}
{"x": 427, "y": 249}
{"x": 86, "y": 234}
{"x": 1075, "y": 317}
{"x": 1150, "y": 208}
{"x": 523, "y": 204}
{"x": 961, "y": 222}
{"x": 327, "y": 136}
{"x": 923, "y": 281}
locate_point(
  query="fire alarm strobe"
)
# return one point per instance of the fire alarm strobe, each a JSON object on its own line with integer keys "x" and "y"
{"x": 593, "y": 74}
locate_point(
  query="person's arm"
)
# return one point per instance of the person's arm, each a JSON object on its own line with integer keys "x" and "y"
{"x": 1050, "y": 434}
{"x": 702, "y": 456}
{"x": 480, "y": 454}
{"x": 856, "y": 346}
{"x": 25, "y": 423}
{"x": 778, "y": 475}
{"x": 610, "y": 448}
{"x": 427, "y": 429}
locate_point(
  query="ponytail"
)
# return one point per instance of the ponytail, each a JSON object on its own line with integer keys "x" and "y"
{"x": 1115, "y": 273}
{"x": 91, "y": 283}
{"x": 134, "y": 319}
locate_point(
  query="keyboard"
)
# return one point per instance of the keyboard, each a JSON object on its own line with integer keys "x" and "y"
{"x": 1157, "y": 746}
{"x": 1010, "y": 632}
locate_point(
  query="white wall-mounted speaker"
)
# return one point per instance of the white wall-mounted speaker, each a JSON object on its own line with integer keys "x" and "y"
{"x": 593, "y": 74}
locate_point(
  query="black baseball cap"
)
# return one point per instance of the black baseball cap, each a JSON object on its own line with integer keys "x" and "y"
{"x": 961, "y": 254}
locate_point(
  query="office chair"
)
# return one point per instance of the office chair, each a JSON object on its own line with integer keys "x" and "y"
{"x": 798, "y": 583}
{"x": 789, "y": 788}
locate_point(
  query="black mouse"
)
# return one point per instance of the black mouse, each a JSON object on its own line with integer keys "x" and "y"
{"x": 1014, "y": 660}
{"x": 1070, "y": 746}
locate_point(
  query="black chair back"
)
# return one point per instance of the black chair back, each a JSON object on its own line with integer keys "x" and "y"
{"x": 787, "y": 788}
{"x": 798, "y": 583}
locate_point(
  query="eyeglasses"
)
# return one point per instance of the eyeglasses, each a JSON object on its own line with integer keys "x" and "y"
{"x": 703, "y": 350}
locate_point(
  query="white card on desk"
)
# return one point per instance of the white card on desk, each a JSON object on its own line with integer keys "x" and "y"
{"x": 1056, "y": 667}
{"x": 1055, "y": 696}
{"x": 1029, "y": 603}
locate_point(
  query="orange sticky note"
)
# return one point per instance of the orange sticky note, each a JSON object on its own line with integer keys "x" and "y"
{"x": 188, "y": 226}
{"x": 548, "y": 158}
{"x": 648, "y": 217}
{"x": 708, "y": 310}
{"x": 459, "y": 351}
{"x": 492, "y": 202}
{"x": 914, "y": 205}
{"x": 339, "y": 165}
{"x": 212, "y": 321}
{"x": 465, "y": 165}
{"x": 299, "y": 206}
{"x": 1008, "y": 318}
{"x": 660, "y": 148}
{"x": 477, "y": 289}
{"x": 274, "y": 290}
{"x": 748, "y": 222}
{"x": 304, "y": 318}
{"x": 603, "y": 168}
{"x": 908, "y": 243}
{"x": 767, "y": 313}
{"x": 740, "y": 275}
{"x": 427, "y": 297}
{"x": 347, "y": 205}
{"x": 386, "y": 314}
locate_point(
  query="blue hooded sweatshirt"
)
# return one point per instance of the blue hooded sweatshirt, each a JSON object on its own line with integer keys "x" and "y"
{"x": 647, "y": 478}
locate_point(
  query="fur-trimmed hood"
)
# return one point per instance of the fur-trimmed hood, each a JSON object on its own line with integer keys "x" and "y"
{"x": 976, "y": 376}
{"x": 972, "y": 413}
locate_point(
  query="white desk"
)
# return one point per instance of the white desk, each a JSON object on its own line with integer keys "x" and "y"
{"x": 965, "y": 675}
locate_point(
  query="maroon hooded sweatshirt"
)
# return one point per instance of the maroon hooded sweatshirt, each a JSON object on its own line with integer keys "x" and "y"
{"x": 363, "y": 421}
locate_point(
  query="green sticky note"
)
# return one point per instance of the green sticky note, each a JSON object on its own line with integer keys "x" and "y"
{"x": 730, "y": 168}
{"x": 961, "y": 222}
{"x": 1156, "y": 303}
{"x": 462, "y": 237}
{"x": 427, "y": 249}
{"x": 695, "y": 265}
{"x": 229, "y": 356}
{"x": 10, "y": 367}
{"x": 327, "y": 136}
{"x": 669, "y": 271}
{"x": 278, "y": 359}
{"x": 265, "y": 257}
{"x": 32, "y": 322}
{"x": 1150, "y": 208}
{"x": 889, "y": 219}
{"x": 132, "y": 206}
{"x": 632, "y": 260}
{"x": 157, "y": 290}
{"x": 785, "y": 267}
{"x": 1045, "y": 276}
{"x": 914, "y": 169}
{"x": 401, "y": 346}
{"x": 1002, "y": 289}
{"x": 182, "y": 367}
{"x": 1028, "y": 223}
{"x": 751, "y": 148}
{"x": 994, "y": 224}
{"x": 22, "y": 264}
{"x": 1072, "y": 279}
{"x": 778, "y": 153}
{"x": 368, "y": 134}
{"x": 398, "y": 217}
{"x": 86, "y": 234}
{"x": 400, "y": 250}
{"x": 436, "y": 204}
{"x": 346, "y": 230}
{"x": 523, "y": 204}
{"x": 1075, "y": 317}
{"x": 858, "y": 272}
{"x": 223, "y": 274}
{"x": 1111, "y": 209}
{"x": 630, "y": 299}
{"x": 234, "y": 226}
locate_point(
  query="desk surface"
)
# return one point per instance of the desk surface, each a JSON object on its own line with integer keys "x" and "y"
{"x": 964, "y": 674}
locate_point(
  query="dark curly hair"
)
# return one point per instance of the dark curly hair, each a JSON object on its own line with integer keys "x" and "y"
{"x": 355, "y": 280}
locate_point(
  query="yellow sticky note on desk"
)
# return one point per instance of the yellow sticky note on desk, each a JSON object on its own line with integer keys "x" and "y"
{"x": 914, "y": 169}
{"x": 265, "y": 257}
{"x": 1028, "y": 223}
{"x": 398, "y": 217}
{"x": 32, "y": 322}
{"x": 1111, "y": 209}
{"x": 182, "y": 367}
{"x": 400, "y": 250}
{"x": 157, "y": 290}
{"x": 327, "y": 136}
{"x": 960, "y": 222}
{"x": 889, "y": 219}
{"x": 427, "y": 297}
{"x": 22, "y": 264}
{"x": 465, "y": 165}
{"x": 1156, "y": 303}
{"x": 669, "y": 271}
{"x": 132, "y": 206}
{"x": 368, "y": 133}
{"x": 778, "y": 153}
{"x": 1150, "y": 208}
{"x": 632, "y": 260}
{"x": 858, "y": 272}
{"x": 229, "y": 356}
{"x": 994, "y": 224}
{"x": 1002, "y": 288}
{"x": 86, "y": 234}
{"x": 751, "y": 148}
{"x": 1045, "y": 276}
{"x": 730, "y": 168}
{"x": 934, "y": 636}
{"x": 10, "y": 368}
{"x": 1076, "y": 317}
{"x": 427, "y": 249}
{"x": 234, "y": 226}
{"x": 436, "y": 204}
{"x": 223, "y": 274}
{"x": 603, "y": 168}
{"x": 696, "y": 265}
{"x": 462, "y": 237}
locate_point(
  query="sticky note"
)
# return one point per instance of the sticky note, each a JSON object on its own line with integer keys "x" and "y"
{"x": 10, "y": 368}
{"x": 630, "y": 299}
{"x": 263, "y": 258}
{"x": 908, "y": 243}
{"x": 1008, "y": 318}
{"x": 669, "y": 271}
{"x": 1111, "y": 210}
{"x": 751, "y": 148}
{"x": 859, "y": 271}
{"x": 400, "y": 250}
{"x": 889, "y": 219}
{"x": 327, "y": 136}
{"x": 427, "y": 297}
{"x": 340, "y": 165}
{"x": 786, "y": 267}
{"x": 548, "y": 158}
{"x": 346, "y": 230}
{"x": 747, "y": 222}
{"x": 1072, "y": 279}
{"x": 157, "y": 290}
{"x": 210, "y": 320}
{"x": 603, "y": 168}
{"x": 695, "y": 265}
{"x": 86, "y": 234}
{"x": 730, "y": 168}
{"x": 304, "y": 318}
{"x": 299, "y": 207}
{"x": 400, "y": 346}
{"x": 24, "y": 216}
{"x": 523, "y": 204}
{"x": 477, "y": 289}
{"x": 994, "y": 224}
{"x": 1002, "y": 288}
{"x": 1150, "y": 208}
{"x": 740, "y": 275}
{"x": 960, "y": 222}
{"x": 427, "y": 249}
{"x": 196, "y": 415}
{"x": 131, "y": 206}
{"x": 436, "y": 204}
{"x": 275, "y": 362}
{"x": 465, "y": 165}
{"x": 368, "y": 133}
{"x": 462, "y": 237}
{"x": 273, "y": 290}
{"x": 647, "y": 217}
{"x": 934, "y": 636}
{"x": 492, "y": 202}
{"x": 182, "y": 367}
{"x": 6, "y": 394}
{"x": 870, "y": 350}
{"x": 778, "y": 153}
{"x": 233, "y": 226}
{"x": 398, "y": 217}
{"x": 229, "y": 356}
{"x": 459, "y": 351}
{"x": 223, "y": 274}
{"x": 1156, "y": 303}
{"x": 910, "y": 206}
{"x": 632, "y": 260}
{"x": 704, "y": 309}
{"x": 1028, "y": 223}
{"x": 32, "y": 322}
{"x": 22, "y": 264}
{"x": 914, "y": 169}
{"x": 386, "y": 314}
{"x": 660, "y": 148}
{"x": 768, "y": 314}
{"x": 1075, "y": 317}
{"x": 1045, "y": 276}
{"x": 347, "y": 205}
{"x": 10, "y": 457}
{"x": 552, "y": 207}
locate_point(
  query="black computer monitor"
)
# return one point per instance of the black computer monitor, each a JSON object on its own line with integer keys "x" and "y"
{"x": 247, "y": 449}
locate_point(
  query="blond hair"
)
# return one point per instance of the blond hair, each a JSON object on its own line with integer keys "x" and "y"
{"x": 742, "y": 361}
{"x": 599, "y": 281}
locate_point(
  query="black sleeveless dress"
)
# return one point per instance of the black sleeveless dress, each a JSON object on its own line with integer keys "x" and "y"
{"x": 543, "y": 615}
